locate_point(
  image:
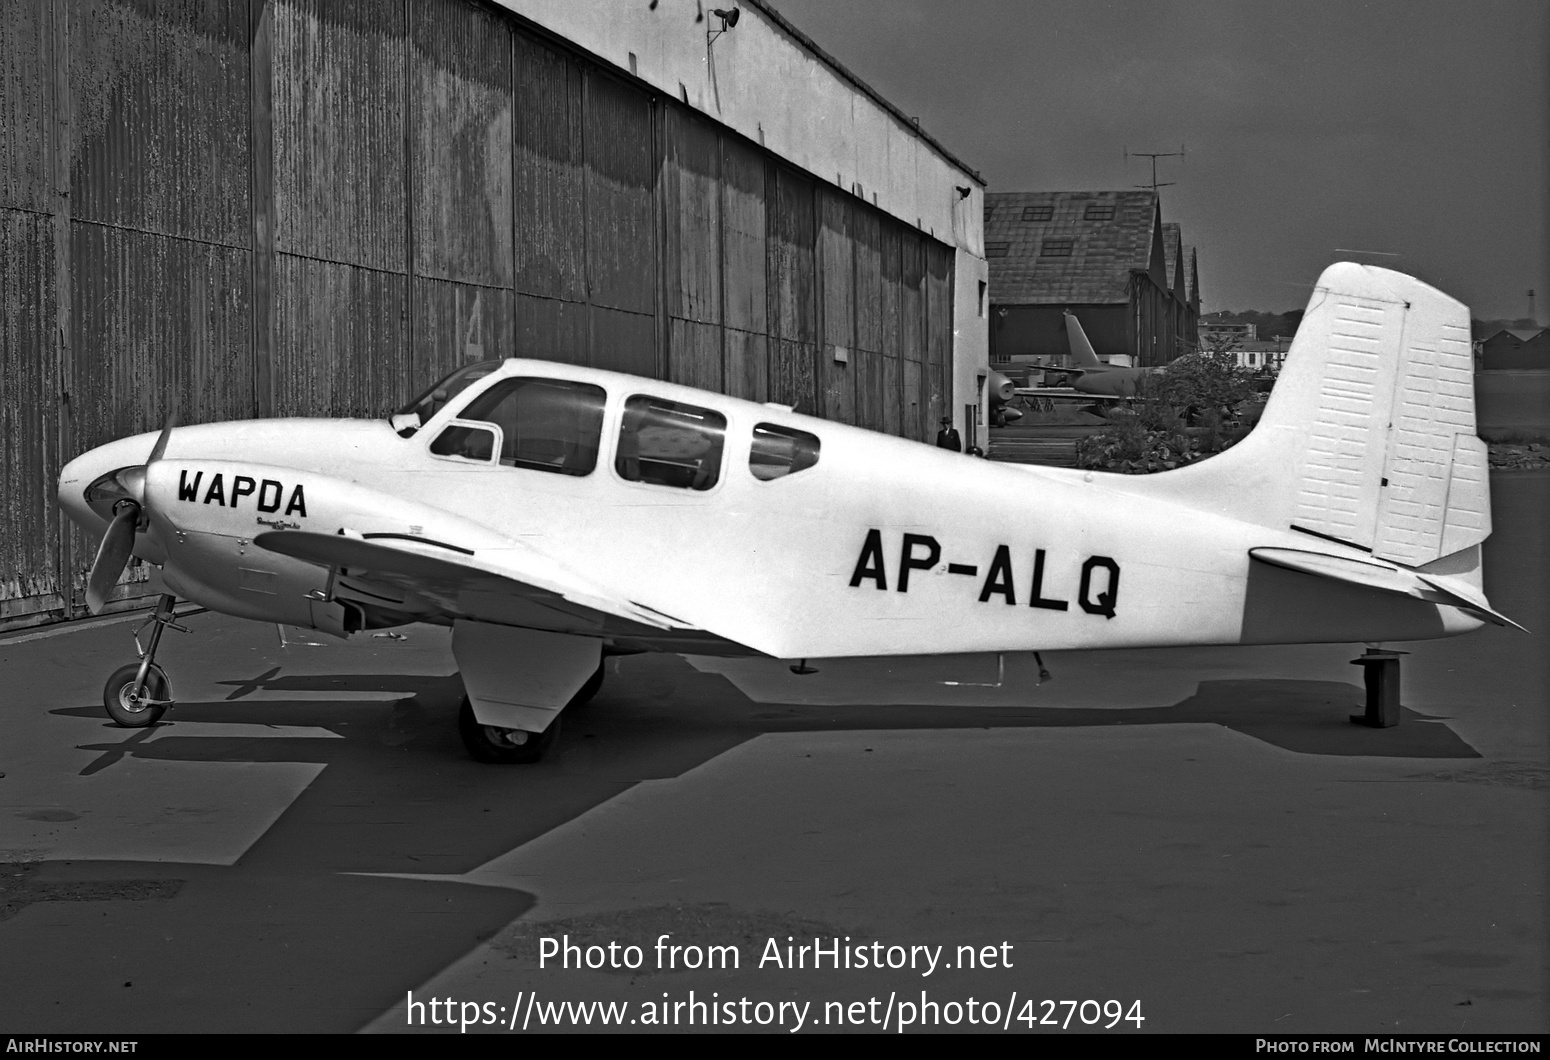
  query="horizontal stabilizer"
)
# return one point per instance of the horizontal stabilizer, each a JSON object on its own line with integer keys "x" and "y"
{"x": 1437, "y": 589}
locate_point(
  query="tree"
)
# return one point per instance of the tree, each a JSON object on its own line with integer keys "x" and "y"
{"x": 1186, "y": 413}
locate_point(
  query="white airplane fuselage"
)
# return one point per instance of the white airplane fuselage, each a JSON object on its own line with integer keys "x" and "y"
{"x": 884, "y": 547}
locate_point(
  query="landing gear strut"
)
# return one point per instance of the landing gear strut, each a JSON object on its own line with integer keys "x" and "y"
{"x": 138, "y": 694}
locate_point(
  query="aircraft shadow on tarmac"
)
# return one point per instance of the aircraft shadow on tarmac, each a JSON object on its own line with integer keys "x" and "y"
{"x": 653, "y": 709}
{"x": 399, "y": 795}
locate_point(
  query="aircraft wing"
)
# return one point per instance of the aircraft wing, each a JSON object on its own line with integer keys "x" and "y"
{"x": 513, "y": 585}
{"x": 1065, "y": 392}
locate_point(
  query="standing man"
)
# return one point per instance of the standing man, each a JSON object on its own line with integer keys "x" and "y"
{"x": 947, "y": 437}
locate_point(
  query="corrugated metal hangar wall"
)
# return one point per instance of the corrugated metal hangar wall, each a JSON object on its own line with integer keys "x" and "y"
{"x": 236, "y": 208}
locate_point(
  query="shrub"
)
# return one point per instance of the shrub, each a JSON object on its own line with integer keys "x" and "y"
{"x": 1184, "y": 414}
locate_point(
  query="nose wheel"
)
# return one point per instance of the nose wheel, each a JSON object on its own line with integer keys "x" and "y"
{"x": 135, "y": 701}
{"x": 138, "y": 694}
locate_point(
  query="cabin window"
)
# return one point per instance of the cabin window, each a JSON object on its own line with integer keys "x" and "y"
{"x": 552, "y": 425}
{"x": 466, "y": 441}
{"x": 1039, "y": 213}
{"x": 781, "y": 451}
{"x": 667, "y": 443}
{"x": 1055, "y": 248}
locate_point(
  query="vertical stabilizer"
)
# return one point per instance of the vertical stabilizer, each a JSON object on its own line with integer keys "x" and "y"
{"x": 1082, "y": 353}
{"x": 1369, "y": 435}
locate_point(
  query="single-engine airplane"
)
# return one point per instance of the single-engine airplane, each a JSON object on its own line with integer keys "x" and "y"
{"x": 553, "y": 515}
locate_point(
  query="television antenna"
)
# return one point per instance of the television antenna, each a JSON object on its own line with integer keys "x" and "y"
{"x": 1154, "y": 156}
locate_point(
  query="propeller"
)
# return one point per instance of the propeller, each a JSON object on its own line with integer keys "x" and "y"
{"x": 122, "y": 493}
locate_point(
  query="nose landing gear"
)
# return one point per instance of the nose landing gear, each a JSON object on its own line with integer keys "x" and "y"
{"x": 138, "y": 694}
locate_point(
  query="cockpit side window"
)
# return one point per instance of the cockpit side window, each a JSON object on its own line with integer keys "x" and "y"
{"x": 780, "y": 451}
{"x": 667, "y": 443}
{"x": 466, "y": 441}
{"x": 448, "y": 387}
{"x": 553, "y": 425}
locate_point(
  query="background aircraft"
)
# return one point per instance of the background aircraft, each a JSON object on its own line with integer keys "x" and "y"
{"x": 552, "y": 515}
{"x": 1088, "y": 376}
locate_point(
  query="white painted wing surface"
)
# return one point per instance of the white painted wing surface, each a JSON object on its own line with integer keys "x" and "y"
{"x": 512, "y": 584}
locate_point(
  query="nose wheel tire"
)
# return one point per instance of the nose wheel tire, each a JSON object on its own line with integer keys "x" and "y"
{"x": 135, "y": 708}
{"x": 490, "y": 743}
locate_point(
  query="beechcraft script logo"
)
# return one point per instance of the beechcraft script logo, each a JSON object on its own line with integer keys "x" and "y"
{"x": 266, "y": 494}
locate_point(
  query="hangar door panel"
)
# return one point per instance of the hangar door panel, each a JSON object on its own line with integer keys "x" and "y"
{"x": 339, "y": 340}
{"x": 793, "y": 299}
{"x": 939, "y": 330}
{"x": 692, "y": 199}
{"x": 29, "y": 389}
{"x": 173, "y": 316}
{"x": 547, "y": 172}
{"x": 26, "y": 178}
{"x": 338, "y": 86}
{"x": 745, "y": 270}
{"x": 624, "y": 342}
{"x": 621, "y": 176}
{"x": 460, "y": 143}
{"x": 890, "y": 318}
{"x": 836, "y": 371}
{"x": 160, "y": 100}
{"x": 458, "y": 323}
{"x": 867, "y": 233}
{"x": 692, "y": 250}
{"x": 912, "y": 334}
{"x": 744, "y": 236}
{"x": 549, "y": 329}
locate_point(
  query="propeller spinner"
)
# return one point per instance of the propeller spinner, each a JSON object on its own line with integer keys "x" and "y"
{"x": 120, "y": 494}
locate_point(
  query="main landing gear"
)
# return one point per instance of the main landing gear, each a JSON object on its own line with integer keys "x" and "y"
{"x": 138, "y": 694}
{"x": 491, "y": 743}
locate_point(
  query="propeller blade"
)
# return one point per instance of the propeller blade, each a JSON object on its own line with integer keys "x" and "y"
{"x": 112, "y": 556}
{"x": 160, "y": 447}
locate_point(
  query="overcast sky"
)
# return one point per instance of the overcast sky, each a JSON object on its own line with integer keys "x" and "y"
{"x": 1415, "y": 128}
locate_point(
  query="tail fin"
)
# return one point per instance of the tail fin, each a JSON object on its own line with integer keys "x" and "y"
{"x": 1082, "y": 355}
{"x": 1369, "y": 435}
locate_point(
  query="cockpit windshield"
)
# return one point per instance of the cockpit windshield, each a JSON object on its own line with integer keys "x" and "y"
{"x": 435, "y": 399}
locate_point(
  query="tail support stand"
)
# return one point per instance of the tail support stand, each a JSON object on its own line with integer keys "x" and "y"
{"x": 1380, "y": 673}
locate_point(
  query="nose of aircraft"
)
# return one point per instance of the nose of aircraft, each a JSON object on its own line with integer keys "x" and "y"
{"x": 89, "y": 469}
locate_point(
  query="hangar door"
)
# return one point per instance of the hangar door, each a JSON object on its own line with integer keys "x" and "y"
{"x": 312, "y": 207}
{"x": 779, "y": 287}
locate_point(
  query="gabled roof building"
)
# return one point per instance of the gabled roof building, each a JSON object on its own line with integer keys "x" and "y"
{"x": 1508, "y": 350}
{"x": 1100, "y": 254}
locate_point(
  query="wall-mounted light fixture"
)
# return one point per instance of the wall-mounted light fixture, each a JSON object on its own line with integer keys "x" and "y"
{"x": 728, "y": 20}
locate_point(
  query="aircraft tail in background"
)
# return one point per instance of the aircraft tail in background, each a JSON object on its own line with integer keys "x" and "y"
{"x": 1082, "y": 353}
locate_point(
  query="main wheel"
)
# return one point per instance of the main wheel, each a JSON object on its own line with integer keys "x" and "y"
{"x": 134, "y": 711}
{"x": 590, "y": 689}
{"x": 490, "y": 743}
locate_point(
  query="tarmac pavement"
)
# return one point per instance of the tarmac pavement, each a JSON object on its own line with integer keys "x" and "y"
{"x": 301, "y": 844}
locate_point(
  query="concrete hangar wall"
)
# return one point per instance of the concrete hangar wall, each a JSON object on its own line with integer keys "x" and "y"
{"x": 233, "y": 208}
